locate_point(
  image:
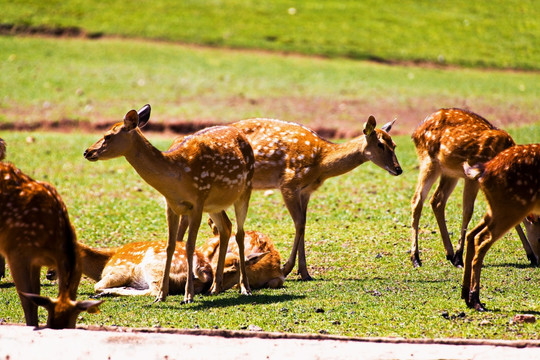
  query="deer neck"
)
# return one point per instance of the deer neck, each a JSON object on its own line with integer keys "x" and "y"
{"x": 154, "y": 166}
{"x": 94, "y": 260}
{"x": 344, "y": 157}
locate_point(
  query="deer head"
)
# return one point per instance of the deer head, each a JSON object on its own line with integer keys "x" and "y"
{"x": 117, "y": 139}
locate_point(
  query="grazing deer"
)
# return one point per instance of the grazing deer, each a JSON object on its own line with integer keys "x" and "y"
{"x": 295, "y": 160}
{"x": 35, "y": 231}
{"x": 206, "y": 171}
{"x": 511, "y": 184}
{"x": 444, "y": 141}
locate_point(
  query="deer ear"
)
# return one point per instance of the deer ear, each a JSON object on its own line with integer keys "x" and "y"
{"x": 369, "y": 126}
{"x": 254, "y": 258}
{"x": 37, "y": 299}
{"x": 388, "y": 126}
{"x": 131, "y": 120}
{"x": 90, "y": 306}
{"x": 144, "y": 115}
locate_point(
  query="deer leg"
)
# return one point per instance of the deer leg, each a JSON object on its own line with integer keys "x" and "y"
{"x": 26, "y": 279}
{"x": 302, "y": 264}
{"x": 113, "y": 279}
{"x": 2, "y": 267}
{"x": 221, "y": 221}
{"x": 173, "y": 221}
{"x": 499, "y": 225}
{"x": 438, "y": 204}
{"x": 194, "y": 224}
{"x": 526, "y": 246}
{"x": 469, "y": 242}
{"x": 184, "y": 222}
{"x": 427, "y": 176}
{"x": 470, "y": 190}
{"x": 240, "y": 209}
{"x": 294, "y": 205}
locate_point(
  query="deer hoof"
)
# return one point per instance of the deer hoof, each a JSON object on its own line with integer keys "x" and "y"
{"x": 533, "y": 260}
{"x": 416, "y": 261}
{"x": 457, "y": 261}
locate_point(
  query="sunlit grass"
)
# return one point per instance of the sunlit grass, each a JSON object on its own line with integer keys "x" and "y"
{"x": 357, "y": 250}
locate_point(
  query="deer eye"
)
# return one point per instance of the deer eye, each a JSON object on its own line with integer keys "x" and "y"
{"x": 107, "y": 137}
{"x": 381, "y": 146}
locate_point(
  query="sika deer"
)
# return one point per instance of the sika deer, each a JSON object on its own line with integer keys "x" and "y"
{"x": 295, "y": 160}
{"x": 511, "y": 184}
{"x": 263, "y": 262}
{"x": 35, "y": 231}
{"x": 444, "y": 141}
{"x": 136, "y": 268}
{"x": 207, "y": 171}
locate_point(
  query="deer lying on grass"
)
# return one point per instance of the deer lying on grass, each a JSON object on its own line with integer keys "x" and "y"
{"x": 206, "y": 172}
{"x": 295, "y": 160}
{"x": 263, "y": 262}
{"x": 511, "y": 184}
{"x": 136, "y": 268}
{"x": 2, "y": 260}
{"x": 444, "y": 141}
{"x": 35, "y": 231}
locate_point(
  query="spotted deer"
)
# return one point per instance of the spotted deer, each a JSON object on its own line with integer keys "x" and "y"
{"x": 263, "y": 262}
{"x": 35, "y": 231}
{"x": 295, "y": 160}
{"x": 511, "y": 184}
{"x": 444, "y": 141}
{"x": 207, "y": 171}
{"x": 136, "y": 268}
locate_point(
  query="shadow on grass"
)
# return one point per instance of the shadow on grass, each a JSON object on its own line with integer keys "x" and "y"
{"x": 7, "y": 285}
{"x": 209, "y": 302}
{"x": 512, "y": 265}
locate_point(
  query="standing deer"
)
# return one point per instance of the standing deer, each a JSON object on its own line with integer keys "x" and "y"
{"x": 444, "y": 141}
{"x": 205, "y": 172}
{"x": 35, "y": 231}
{"x": 295, "y": 160}
{"x": 511, "y": 184}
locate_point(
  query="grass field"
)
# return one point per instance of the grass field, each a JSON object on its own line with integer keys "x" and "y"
{"x": 428, "y": 55}
{"x": 502, "y": 34}
{"x": 357, "y": 250}
{"x": 56, "y": 79}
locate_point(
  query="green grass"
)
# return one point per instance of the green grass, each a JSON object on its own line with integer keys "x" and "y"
{"x": 357, "y": 250}
{"x": 49, "y": 79}
{"x": 502, "y": 34}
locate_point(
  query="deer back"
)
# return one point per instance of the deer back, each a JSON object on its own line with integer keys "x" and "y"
{"x": 454, "y": 136}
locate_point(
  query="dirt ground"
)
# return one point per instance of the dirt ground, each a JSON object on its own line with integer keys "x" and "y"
{"x": 23, "y": 342}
